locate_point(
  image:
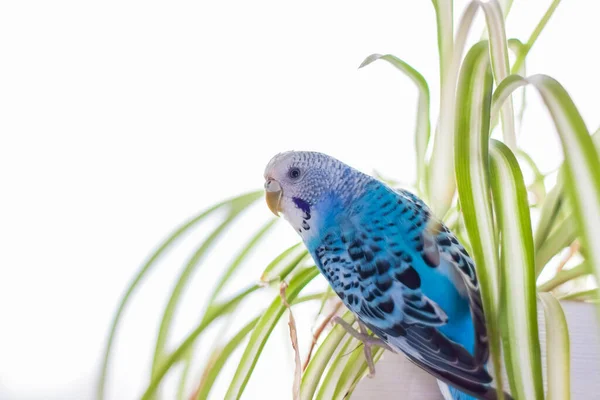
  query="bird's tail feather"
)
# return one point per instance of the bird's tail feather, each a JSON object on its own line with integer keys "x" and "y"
{"x": 451, "y": 393}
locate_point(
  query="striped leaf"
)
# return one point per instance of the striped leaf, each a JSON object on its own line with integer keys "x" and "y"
{"x": 499, "y": 57}
{"x": 263, "y": 329}
{"x": 440, "y": 172}
{"x": 519, "y": 308}
{"x": 321, "y": 358}
{"x": 518, "y": 48}
{"x": 363, "y": 371}
{"x": 557, "y": 349}
{"x": 423, "y": 124}
{"x": 348, "y": 347}
{"x": 444, "y": 16}
{"x": 556, "y": 231}
{"x": 356, "y": 366}
{"x": 582, "y": 163}
{"x": 471, "y": 149}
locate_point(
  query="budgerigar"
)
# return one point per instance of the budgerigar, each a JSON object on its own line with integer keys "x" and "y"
{"x": 415, "y": 288}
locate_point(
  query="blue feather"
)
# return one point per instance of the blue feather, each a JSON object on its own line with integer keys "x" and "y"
{"x": 403, "y": 274}
{"x": 415, "y": 289}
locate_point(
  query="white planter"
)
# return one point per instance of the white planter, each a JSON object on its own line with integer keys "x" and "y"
{"x": 397, "y": 378}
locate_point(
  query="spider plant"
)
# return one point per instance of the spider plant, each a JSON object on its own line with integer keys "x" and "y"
{"x": 515, "y": 230}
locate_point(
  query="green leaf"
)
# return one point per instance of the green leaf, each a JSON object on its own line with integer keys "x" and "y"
{"x": 517, "y": 47}
{"x": 329, "y": 293}
{"x": 444, "y": 16}
{"x": 181, "y": 395}
{"x": 282, "y": 265}
{"x": 220, "y": 357}
{"x": 562, "y": 236}
{"x": 471, "y": 151}
{"x": 225, "y": 276}
{"x": 348, "y": 347}
{"x": 471, "y": 155}
{"x": 441, "y": 184}
{"x": 553, "y": 233}
{"x": 584, "y": 295}
{"x": 315, "y": 296}
{"x": 582, "y": 164}
{"x": 355, "y": 367}
{"x": 565, "y": 275}
{"x": 262, "y": 331}
{"x": 423, "y": 125}
{"x": 500, "y": 66}
{"x": 534, "y": 36}
{"x": 557, "y": 349}
{"x": 519, "y": 316}
{"x": 146, "y": 268}
{"x": 537, "y": 187}
{"x": 548, "y": 215}
{"x": 318, "y": 363}
{"x": 218, "y": 310}
{"x": 236, "y": 207}
{"x": 440, "y": 172}
{"x": 504, "y": 89}
{"x": 377, "y": 353}
{"x": 596, "y": 139}
{"x": 241, "y": 257}
{"x": 506, "y": 6}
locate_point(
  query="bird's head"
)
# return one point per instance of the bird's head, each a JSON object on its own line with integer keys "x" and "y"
{"x": 297, "y": 183}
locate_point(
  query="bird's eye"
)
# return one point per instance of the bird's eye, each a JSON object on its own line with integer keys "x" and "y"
{"x": 294, "y": 173}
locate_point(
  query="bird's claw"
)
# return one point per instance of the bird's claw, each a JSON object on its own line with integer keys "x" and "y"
{"x": 367, "y": 340}
{"x": 368, "y": 352}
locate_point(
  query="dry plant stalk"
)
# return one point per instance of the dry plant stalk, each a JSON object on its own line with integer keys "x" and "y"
{"x": 294, "y": 339}
{"x": 320, "y": 330}
{"x": 211, "y": 361}
{"x": 573, "y": 249}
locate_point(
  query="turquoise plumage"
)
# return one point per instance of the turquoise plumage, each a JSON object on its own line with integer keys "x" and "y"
{"x": 403, "y": 274}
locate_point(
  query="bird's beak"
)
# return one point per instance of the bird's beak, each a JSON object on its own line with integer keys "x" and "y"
{"x": 273, "y": 195}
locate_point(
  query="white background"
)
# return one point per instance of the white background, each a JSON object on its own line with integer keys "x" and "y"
{"x": 120, "y": 119}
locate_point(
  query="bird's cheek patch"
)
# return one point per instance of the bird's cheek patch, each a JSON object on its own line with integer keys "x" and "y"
{"x": 301, "y": 204}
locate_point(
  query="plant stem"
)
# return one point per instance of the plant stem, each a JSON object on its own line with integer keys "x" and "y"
{"x": 534, "y": 36}
{"x": 564, "y": 276}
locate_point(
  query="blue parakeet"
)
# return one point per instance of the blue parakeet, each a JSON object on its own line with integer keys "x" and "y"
{"x": 412, "y": 285}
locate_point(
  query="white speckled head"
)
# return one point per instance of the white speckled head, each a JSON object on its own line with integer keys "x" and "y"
{"x": 303, "y": 174}
{"x": 296, "y": 183}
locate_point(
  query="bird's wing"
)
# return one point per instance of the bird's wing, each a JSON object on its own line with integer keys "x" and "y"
{"x": 441, "y": 243}
{"x": 369, "y": 259}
